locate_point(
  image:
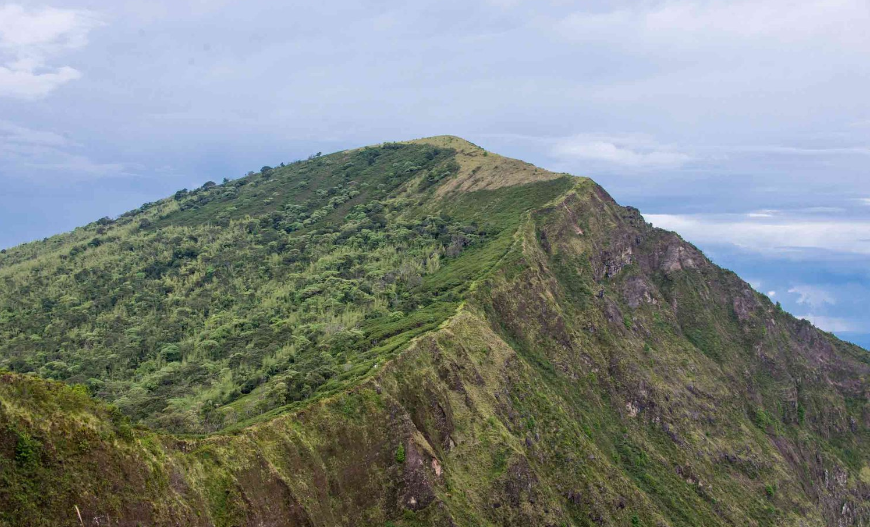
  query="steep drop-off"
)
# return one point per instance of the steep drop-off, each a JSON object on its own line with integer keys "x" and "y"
{"x": 532, "y": 353}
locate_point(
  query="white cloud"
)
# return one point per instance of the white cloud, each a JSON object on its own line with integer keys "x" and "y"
{"x": 865, "y": 201}
{"x": 769, "y": 236}
{"x": 831, "y": 324}
{"x": 26, "y": 84}
{"x": 771, "y": 294}
{"x": 624, "y": 151}
{"x": 813, "y": 296}
{"x": 764, "y": 213}
{"x": 30, "y": 38}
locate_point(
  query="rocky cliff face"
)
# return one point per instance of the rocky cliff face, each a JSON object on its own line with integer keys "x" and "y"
{"x": 600, "y": 372}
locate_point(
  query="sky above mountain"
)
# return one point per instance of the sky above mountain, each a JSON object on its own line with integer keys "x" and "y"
{"x": 743, "y": 125}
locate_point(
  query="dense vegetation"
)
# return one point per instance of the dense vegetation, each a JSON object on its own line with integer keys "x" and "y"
{"x": 407, "y": 335}
{"x": 223, "y": 303}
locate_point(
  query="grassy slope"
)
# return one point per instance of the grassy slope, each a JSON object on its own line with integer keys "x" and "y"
{"x": 599, "y": 372}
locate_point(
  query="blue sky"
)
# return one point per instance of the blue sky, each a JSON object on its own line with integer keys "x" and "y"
{"x": 743, "y": 125}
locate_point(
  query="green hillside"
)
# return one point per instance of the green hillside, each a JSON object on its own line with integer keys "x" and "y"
{"x": 419, "y": 333}
{"x": 222, "y": 303}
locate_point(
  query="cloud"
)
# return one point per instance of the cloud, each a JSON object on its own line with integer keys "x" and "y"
{"x": 813, "y": 296}
{"x": 831, "y": 324}
{"x": 865, "y": 201}
{"x": 30, "y": 38}
{"x": 769, "y": 236}
{"x": 764, "y": 213}
{"x": 29, "y": 152}
{"x": 13, "y": 134}
{"x": 755, "y": 283}
{"x": 26, "y": 84}
{"x": 626, "y": 151}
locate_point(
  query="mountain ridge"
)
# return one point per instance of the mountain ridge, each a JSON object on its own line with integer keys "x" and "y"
{"x": 577, "y": 367}
{"x": 481, "y": 169}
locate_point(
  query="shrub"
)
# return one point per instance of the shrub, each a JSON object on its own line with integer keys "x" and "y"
{"x": 26, "y": 449}
{"x": 171, "y": 353}
{"x": 400, "y": 454}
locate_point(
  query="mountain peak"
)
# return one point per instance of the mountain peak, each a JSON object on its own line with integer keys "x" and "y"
{"x": 448, "y": 141}
{"x": 480, "y": 169}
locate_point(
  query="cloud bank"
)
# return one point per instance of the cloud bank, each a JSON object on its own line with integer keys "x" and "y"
{"x": 761, "y": 235}
{"x": 813, "y": 296}
{"x": 49, "y": 156}
{"x": 624, "y": 151}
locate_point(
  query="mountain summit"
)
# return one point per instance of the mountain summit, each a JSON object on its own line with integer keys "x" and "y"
{"x": 415, "y": 333}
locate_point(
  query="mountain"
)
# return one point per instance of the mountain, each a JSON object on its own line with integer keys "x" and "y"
{"x": 416, "y": 333}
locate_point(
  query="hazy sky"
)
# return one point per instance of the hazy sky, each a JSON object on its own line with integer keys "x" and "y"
{"x": 743, "y": 125}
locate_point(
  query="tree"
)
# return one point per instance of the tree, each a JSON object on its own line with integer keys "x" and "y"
{"x": 171, "y": 353}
